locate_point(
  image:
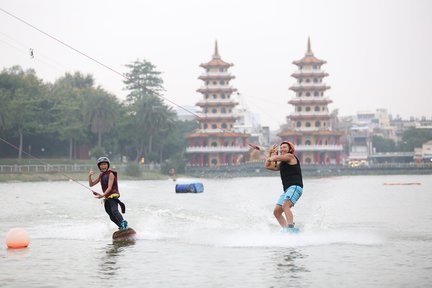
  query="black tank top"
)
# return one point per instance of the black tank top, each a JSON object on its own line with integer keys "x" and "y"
{"x": 291, "y": 174}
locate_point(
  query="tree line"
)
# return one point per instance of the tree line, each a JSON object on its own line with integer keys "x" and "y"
{"x": 58, "y": 119}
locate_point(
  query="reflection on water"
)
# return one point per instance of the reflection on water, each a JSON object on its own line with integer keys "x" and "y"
{"x": 191, "y": 245}
{"x": 17, "y": 253}
{"x": 289, "y": 265}
{"x": 108, "y": 266}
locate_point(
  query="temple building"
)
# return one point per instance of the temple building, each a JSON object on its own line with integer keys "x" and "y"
{"x": 216, "y": 142}
{"x": 309, "y": 127}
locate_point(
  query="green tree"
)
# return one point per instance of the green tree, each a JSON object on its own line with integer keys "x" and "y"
{"x": 151, "y": 118}
{"x": 415, "y": 138}
{"x": 68, "y": 94}
{"x": 100, "y": 110}
{"x": 176, "y": 141}
{"x": 382, "y": 144}
{"x": 25, "y": 97}
{"x": 155, "y": 118}
{"x": 143, "y": 80}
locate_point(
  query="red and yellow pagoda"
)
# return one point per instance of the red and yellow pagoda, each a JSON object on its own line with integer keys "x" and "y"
{"x": 216, "y": 143}
{"x": 310, "y": 126}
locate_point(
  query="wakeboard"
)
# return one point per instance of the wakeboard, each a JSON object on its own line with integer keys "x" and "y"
{"x": 290, "y": 230}
{"x": 124, "y": 235}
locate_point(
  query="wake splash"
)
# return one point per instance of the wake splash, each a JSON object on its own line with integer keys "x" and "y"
{"x": 224, "y": 238}
{"x": 197, "y": 226}
{"x": 72, "y": 231}
{"x": 245, "y": 228}
{"x": 268, "y": 236}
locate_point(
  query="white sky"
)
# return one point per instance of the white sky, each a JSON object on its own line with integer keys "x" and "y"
{"x": 378, "y": 52}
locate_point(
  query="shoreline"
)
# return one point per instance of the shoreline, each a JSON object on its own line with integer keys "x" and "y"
{"x": 213, "y": 174}
{"x": 81, "y": 177}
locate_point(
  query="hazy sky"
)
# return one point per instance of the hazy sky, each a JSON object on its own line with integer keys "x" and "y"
{"x": 378, "y": 53}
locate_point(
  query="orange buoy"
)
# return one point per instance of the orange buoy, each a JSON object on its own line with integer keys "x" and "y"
{"x": 17, "y": 238}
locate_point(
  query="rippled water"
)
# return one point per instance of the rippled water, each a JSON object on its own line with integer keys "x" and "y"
{"x": 356, "y": 232}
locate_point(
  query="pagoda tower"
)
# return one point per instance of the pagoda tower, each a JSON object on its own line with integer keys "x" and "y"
{"x": 216, "y": 142}
{"x": 309, "y": 126}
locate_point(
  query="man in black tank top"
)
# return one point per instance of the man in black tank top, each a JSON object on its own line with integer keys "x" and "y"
{"x": 290, "y": 171}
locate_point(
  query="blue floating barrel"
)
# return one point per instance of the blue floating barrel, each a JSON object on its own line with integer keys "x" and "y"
{"x": 189, "y": 188}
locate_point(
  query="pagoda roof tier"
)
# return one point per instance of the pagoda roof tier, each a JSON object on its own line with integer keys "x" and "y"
{"x": 217, "y": 149}
{"x": 216, "y": 60}
{"x": 311, "y": 87}
{"x": 216, "y": 77}
{"x": 216, "y": 117}
{"x": 310, "y": 101}
{"x": 301, "y": 74}
{"x": 310, "y": 148}
{"x": 309, "y": 133}
{"x": 308, "y": 115}
{"x": 217, "y": 90}
{"x": 219, "y": 133}
{"x": 309, "y": 58}
{"x": 216, "y": 63}
{"x": 216, "y": 104}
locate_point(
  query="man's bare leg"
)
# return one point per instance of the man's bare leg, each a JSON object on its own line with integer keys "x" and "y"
{"x": 277, "y": 212}
{"x": 286, "y": 207}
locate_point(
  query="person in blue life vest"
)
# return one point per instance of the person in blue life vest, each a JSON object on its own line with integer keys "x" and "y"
{"x": 111, "y": 194}
{"x": 290, "y": 171}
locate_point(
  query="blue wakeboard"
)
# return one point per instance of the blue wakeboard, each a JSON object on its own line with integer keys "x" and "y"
{"x": 294, "y": 230}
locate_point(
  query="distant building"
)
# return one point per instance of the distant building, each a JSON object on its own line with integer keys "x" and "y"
{"x": 379, "y": 122}
{"x": 186, "y": 114}
{"x": 360, "y": 145}
{"x": 424, "y": 154}
{"x": 310, "y": 125}
{"x": 217, "y": 142}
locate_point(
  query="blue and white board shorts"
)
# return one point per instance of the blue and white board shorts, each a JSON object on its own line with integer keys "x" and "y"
{"x": 292, "y": 193}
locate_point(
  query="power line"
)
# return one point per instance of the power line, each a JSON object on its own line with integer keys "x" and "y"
{"x": 102, "y": 64}
{"x": 89, "y": 57}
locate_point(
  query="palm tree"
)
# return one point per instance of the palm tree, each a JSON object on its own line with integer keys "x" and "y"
{"x": 100, "y": 112}
{"x": 152, "y": 118}
{"x": 68, "y": 93}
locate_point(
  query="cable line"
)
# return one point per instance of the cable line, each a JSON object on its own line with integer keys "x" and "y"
{"x": 89, "y": 57}
{"x": 44, "y": 163}
{"x": 105, "y": 66}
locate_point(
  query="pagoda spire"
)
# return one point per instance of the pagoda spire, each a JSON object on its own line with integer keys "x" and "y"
{"x": 216, "y": 51}
{"x": 309, "y": 50}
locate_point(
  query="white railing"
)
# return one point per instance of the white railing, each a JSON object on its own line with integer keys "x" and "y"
{"x": 215, "y": 73}
{"x": 304, "y": 148}
{"x": 216, "y": 115}
{"x": 214, "y": 101}
{"x": 308, "y": 85}
{"x": 217, "y": 86}
{"x": 311, "y": 98}
{"x": 311, "y": 113}
{"x": 45, "y": 168}
{"x": 310, "y": 71}
{"x": 206, "y": 149}
{"x": 65, "y": 168}
{"x": 220, "y": 130}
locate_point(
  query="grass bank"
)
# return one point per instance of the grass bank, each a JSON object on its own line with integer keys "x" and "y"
{"x": 37, "y": 177}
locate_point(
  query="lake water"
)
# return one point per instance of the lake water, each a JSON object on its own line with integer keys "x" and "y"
{"x": 356, "y": 232}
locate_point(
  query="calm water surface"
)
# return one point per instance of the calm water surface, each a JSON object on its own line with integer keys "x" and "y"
{"x": 356, "y": 232}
